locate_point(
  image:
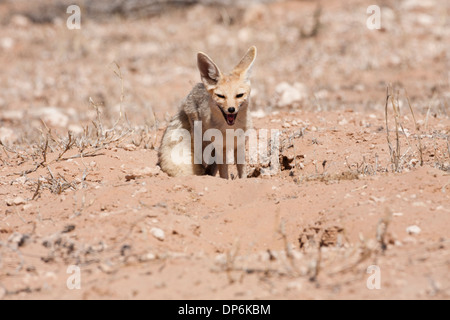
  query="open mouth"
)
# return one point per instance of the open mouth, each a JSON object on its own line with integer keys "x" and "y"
{"x": 229, "y": 118}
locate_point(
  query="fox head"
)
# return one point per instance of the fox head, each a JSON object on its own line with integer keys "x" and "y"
{"x": 229, "y": 92}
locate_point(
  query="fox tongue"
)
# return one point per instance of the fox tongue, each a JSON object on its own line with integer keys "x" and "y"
{"x": 231, "y": 118}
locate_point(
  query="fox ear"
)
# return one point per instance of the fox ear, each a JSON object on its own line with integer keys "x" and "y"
{"x": 243, "y": 69}
{"x": 209, "y": 72}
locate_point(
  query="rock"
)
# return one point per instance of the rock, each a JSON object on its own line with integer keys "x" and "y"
{"x": 7, "y": 135}
{"x": 177, "y": 187}
{"x": 52, "y": 116}
{"x": 322, "y": 94}
{"x": 27, "y": 207}
{"x": 377, "y": 200}
{"x": 294, "y": 286}
{"x": 158, "y": 234}
{"x": 221, "y": 259}
{"x": 144, "y": 172}
{"x": 21, "y": 180}
{"x": 129, "y": 147}
{"x": 414, "y": 230}
{"x": 147, "y": 257}
{"x": 419, "y": 204}
{"x": 19, "y": 20}
{"x": 409, "y": 240}
{"x": 289, "y": 95}
{"x": 106, "y": 268}
{"x": 76, "y": 129}
{"x": 259, "y": 114}
{"x": 18, "y": 201}
{"x": 15, "y": 202}
{"x": 6, "y": 43}
{"x": 413, "y": 162}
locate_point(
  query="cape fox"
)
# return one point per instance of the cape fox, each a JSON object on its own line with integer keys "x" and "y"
{"x": 220, "y": 102}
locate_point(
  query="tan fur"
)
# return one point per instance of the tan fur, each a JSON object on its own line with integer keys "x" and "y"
{"x": 217, "y": 91}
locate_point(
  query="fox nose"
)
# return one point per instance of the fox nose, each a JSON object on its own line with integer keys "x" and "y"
{"x": 231, "y": 110}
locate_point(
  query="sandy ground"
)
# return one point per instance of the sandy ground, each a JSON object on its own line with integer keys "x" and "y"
{"x": 341, "y": 202}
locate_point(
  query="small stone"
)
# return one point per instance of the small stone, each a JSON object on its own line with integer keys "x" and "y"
{"x": 21, "y": 180}
{"x": 294, "y": 286}
{"x": 145, "y": 172}
{"x": 27, "y": 207}
{"x": 106, "y": 268}
{"x": 147, "y": 257}
{"x": 419, "y": 204}
{"x": 221, "y": 259}
{"x": 12, "y": 115}
{"x": 259, "y": 114}
{"x": 413, "y": 162}
{"x": 15, "y": 202}
{"x": 76, "y": 129}
{"x": 377, "y": 200}
{"x": 409, "y": 240}
{"x": 343, "y": 122}
{"x": 414, "y": 230}
{"x": 288, "y": 94}
{"x": 130, "y": 147}
{"x": 158, "y": 234}
{"x": 7, "y": 135}
{"x": 19, "y": 20}
{"x": 52, "y": 116}
{"x": 6, "y": 43}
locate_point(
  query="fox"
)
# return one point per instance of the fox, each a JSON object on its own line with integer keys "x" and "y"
{"x": 220, "y": 101}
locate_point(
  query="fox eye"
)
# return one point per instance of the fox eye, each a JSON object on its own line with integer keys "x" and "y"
{"x": 239, "y": 95}
{"x": 220, "y": 96}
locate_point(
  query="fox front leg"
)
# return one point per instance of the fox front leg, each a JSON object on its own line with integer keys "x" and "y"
{"x": 211, "y": 170}
{"x": 223, "y": 170}
{"x": 221, "y": 162}
{"x": 241, "y": 168}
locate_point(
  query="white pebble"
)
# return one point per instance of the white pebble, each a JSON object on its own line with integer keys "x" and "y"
{"x": 158, "y": 234}
{"x": 413, "y": 230}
